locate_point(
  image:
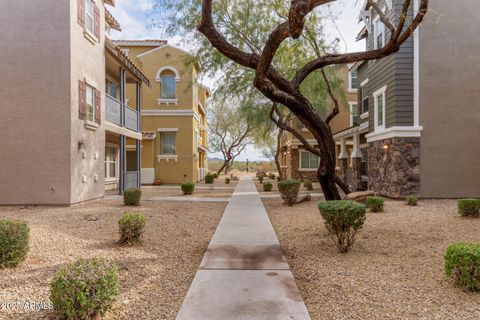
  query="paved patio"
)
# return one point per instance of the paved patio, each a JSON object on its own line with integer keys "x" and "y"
{"x": 244, "y": 274}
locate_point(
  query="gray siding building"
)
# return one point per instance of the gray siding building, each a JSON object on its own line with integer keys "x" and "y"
{"x": 419, "y": 123}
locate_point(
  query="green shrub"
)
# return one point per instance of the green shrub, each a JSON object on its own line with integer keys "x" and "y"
{"x": 260, "y": 179}
{"x": 469, "y": 207}
{"x": 267, "y": 186}
{"x": 131, "y": 227}
{"x": 227, "y": 180}
{"x": 375, "y": 203}
{"x": 412, "y": 200}
{"x": 84, "y": 289}
{"x": 462, "y": 263}
{"x": 308, "y": 184}
{"x": 209, "y": 178}
{"x": 343, "y": 218}
{"x": 188, "y": 188}
{"x": 215, "y": 175}
{"x": 14, "y": 237}
{"x": 289, "y": 190}
{"x": 131, "y": 197}
{"x": 271, "y": 176}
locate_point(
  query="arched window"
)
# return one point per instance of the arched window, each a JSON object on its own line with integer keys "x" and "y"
{"x": 169, "y": 85}
{"x": 168, "y": 78}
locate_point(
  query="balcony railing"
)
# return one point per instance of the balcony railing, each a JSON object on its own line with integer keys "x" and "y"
{"x": 121, "y": 114}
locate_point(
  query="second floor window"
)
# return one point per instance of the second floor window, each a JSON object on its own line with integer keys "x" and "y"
{"x": 353, "y": 114}
{"x": 169, "y": 85}
{"x": 364, "y": 96}
{"x": 352, "y": 79}
{"x": 89, "y": 15}
{"x": 168, "y": 143}
{"x": 379, "y": 105}
{"x": 379, "y": 34}
{"x": 90, "y": 104}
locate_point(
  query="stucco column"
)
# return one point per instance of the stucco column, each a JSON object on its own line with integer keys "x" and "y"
{"x": 343, "y": 160}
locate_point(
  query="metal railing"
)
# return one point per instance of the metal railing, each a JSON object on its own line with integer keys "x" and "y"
{"x": 115, "y": 109}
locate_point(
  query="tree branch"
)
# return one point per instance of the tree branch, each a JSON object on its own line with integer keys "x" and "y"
{"x": 390, "y": 47}
{"x": 336, "y": 108}
{"x": 284, "y": 126}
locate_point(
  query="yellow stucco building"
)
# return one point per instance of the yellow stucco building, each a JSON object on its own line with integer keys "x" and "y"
{"x": 174, "y": 115}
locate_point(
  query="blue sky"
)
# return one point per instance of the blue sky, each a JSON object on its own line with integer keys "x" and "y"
{"x": 135, "y": 18}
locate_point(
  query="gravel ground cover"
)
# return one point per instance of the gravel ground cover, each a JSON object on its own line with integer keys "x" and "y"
{"x": 395, "y": 269}
{"x": 149, "y": 193}
{"x": 154, "y": 276}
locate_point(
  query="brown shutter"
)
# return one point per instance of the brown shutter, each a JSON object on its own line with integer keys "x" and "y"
{"x": 98, "y": 106}
{"x": 81, "y": 13}
{"x": 82, "y": 100}
{"x": 96, "y": 22}
{"x": 359, "y": 100}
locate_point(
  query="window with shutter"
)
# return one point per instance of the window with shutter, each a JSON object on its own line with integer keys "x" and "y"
{"x": 96, "y": 22}
{"x": 82, "y": 97}
{"x": 90, "y": 16}
{"x": 81, "y": 13}
{"x": 90, "y": 104}
{"x": 98, "y": 112}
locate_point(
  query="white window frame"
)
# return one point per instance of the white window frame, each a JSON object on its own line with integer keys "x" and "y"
{"x": 376, "y": 32}
{"x": 352, "y": 104}
{"x": 380, "y": 93}
{"x": 300, "y": 168}
{"x": 90, "y": 87}
{"x": 90, "y": 28}
{"x": 350, "y": 82}
{"x": 109, "y": 162}
{"x": 363, "y": 115}
{"x": 174, "y": 133}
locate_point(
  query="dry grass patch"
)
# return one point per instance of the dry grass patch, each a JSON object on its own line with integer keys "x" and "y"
{"x": 395, "y": 269}
{"x": 154, "y": 276}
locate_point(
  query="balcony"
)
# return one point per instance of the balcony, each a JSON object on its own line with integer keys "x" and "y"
{"x": 121, "y": 114}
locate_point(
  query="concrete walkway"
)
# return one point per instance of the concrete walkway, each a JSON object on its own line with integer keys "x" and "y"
{"x": 244, "y": 274}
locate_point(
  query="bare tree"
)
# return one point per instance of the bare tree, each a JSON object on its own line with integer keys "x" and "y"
{"x": 281, "y": 90}
{"x": 230, "y": 133}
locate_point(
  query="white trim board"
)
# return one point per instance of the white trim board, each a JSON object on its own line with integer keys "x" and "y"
{"x": 395, "y": 132}
{"x": 416, "y": 71}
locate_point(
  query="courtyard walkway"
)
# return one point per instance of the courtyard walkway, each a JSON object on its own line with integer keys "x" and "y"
{"x": 244, "y": 274}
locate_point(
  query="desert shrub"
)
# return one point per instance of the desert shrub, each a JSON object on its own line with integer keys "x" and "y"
{"x": 131, "y": 227}
{"x": 188, "y": 188}
{"x": 272, "y": 176}
{"x": 131, "y": 197}
{"x": 412, "y": 200}
{"x": 84, "y": 289}
{"x": 260, "y": 179}
{"x": 343, "y": 218}
{"x": 267, "y": 186}
{"x": 215, "y": 175}
{"x": 209, "y": 178}
{"x": 462, "y": 263}
{"x": 14, "y": 237}
{"x": 469, "y": 207}
{"x": 375, "y": 203}
{"x": 227, "y": 180}
{"x": 308, "y": 184}
{"x": 235, "y": 178}
{"x": 289, "y": 190}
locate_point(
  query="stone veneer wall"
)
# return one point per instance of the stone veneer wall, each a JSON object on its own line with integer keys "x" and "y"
{"x": 394, "y": 172}
{"x": 294, "y": 165}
